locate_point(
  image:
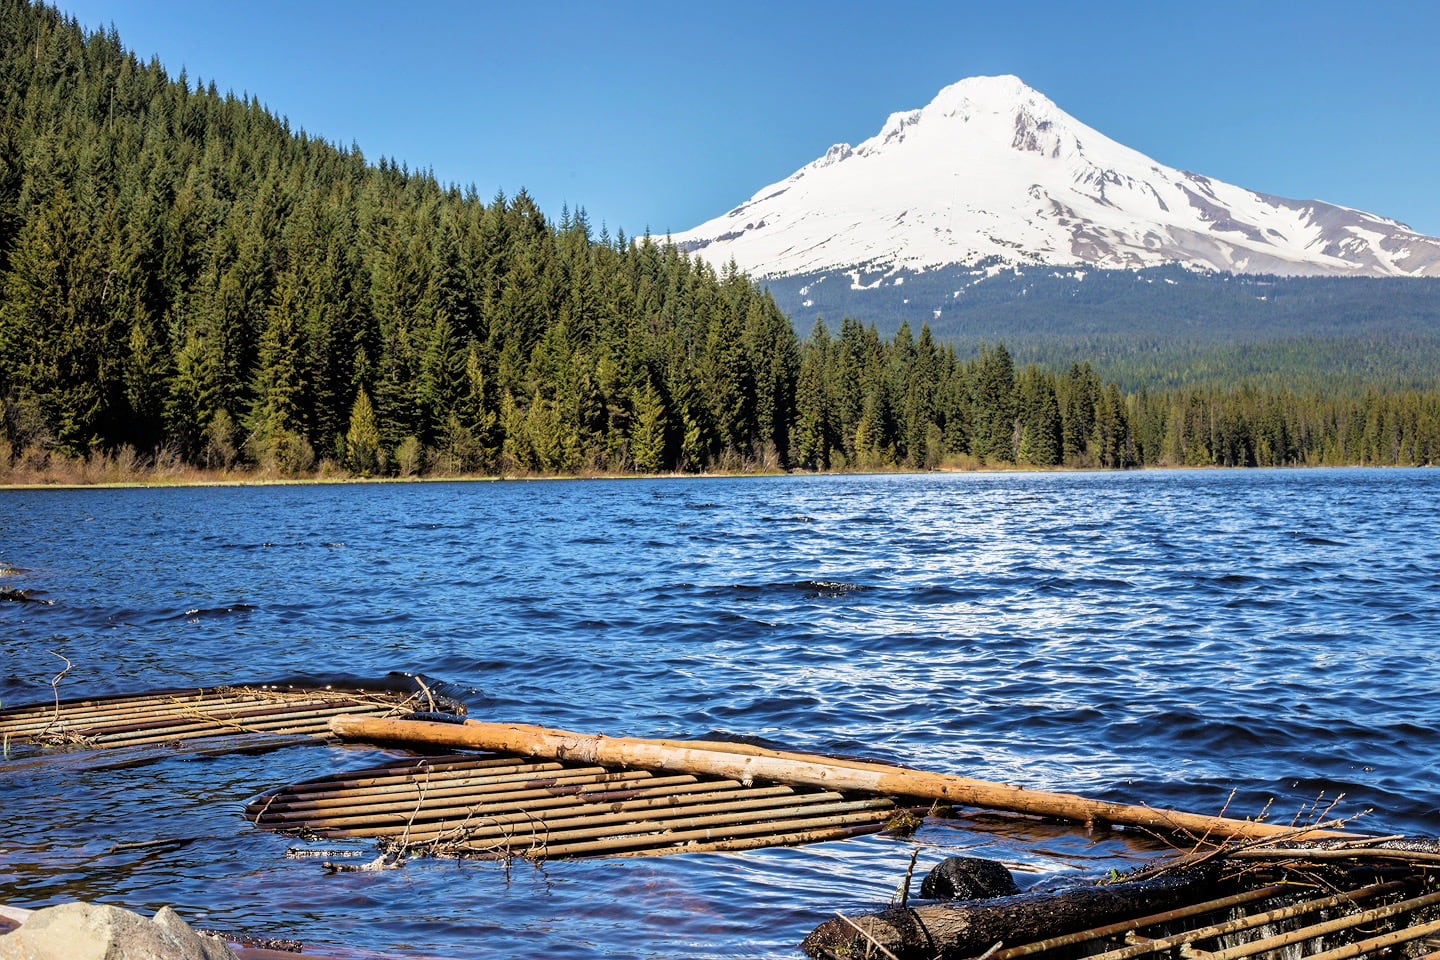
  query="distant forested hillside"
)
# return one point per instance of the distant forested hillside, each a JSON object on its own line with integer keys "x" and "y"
{"x": 1157, "y": 328}
{"x": 186, "y": 281}
{"x": 184, "y": 271}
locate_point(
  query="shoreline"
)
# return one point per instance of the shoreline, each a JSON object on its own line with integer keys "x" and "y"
{"x": 995, "y": 470}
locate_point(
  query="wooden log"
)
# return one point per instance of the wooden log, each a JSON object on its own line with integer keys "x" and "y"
{"x": 747, "y": 763}
{"x": 970, "y": 928}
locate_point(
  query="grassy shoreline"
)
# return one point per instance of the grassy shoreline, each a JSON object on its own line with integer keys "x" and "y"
{"x": 241, "y": 479}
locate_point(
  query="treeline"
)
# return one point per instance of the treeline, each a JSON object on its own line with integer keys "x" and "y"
{"x": 1159, "y": 327}
{"x": 866, "y": 403}
{"x": 182, "y": 272}
{"x": 186, "y": 280}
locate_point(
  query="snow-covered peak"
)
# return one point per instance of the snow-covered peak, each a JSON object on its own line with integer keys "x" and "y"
{"x": 992, "y": 170}
{"x": 1004, "y": 95}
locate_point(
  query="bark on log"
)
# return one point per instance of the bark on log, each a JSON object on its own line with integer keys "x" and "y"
{"x": 746, "y": 763}
{"x": 969, "y": 928}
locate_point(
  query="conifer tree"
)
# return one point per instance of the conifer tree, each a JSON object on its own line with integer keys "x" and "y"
{"x": 814, "y": 431}
{"x": 362, "y": 440}
{"x": 647, "y": 442}
{"x": 274, "y": 425}
{"x": 58, "y": 336}
{"x": 993, "y": 394}
{"x": 1040, "y": 424}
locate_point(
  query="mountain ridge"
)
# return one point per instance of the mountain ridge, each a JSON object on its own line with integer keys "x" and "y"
{"x": 993, "y": 171}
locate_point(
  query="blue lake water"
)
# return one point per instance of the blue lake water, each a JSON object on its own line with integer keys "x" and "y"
{"x": 1188, "y": 639}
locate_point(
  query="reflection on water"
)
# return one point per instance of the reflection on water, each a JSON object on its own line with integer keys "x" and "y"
{"x": 1170, "y": 639}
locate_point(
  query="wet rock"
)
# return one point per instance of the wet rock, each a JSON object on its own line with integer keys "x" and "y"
{"x": 967, "y": 878}
{"x": 22, "y": 596}
{"x": 87, "y": 931}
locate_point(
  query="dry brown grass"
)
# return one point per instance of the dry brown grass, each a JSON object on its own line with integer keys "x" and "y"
{"x": 38, "y": 467}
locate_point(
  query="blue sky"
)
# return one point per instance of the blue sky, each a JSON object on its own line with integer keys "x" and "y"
{"x": 663, "y": 115}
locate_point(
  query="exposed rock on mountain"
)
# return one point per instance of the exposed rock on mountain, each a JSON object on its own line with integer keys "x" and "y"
{"x": 993, "y": 173}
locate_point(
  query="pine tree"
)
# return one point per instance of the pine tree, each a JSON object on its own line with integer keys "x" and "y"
{"x": 274, "y": 423}
{"x": 1039, "y": 413}
{"x": 993, "y": 393}
{"x": 362, "y": 440}
{"x": 647, "y": 441}
{"x": 814, "y": 432}
{"x": 1079, "y": 394}
{"x": 57, "y": 332}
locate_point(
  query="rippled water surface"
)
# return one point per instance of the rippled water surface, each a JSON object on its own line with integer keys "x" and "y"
{"x": 1178, "y": 639}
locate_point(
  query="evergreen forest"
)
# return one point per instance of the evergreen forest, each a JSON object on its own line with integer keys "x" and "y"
{"x": 188, "y": 282}
{"x": 1158, "y": 328}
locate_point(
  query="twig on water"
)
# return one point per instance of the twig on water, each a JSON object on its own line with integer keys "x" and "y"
{"x": 429, "y": 697}
{"x": 61, "y": 737}
{"x": 55, "y": 688}
{"x": 870, "y": 941}
{"x": 994, "y": 949}
{"x": 1324, "y": 815}
{"x": 910, "y": 872}
{"x": 1228, "y": 849}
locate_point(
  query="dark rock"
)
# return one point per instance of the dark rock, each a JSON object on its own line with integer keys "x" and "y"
{"x": 967, "y": 878}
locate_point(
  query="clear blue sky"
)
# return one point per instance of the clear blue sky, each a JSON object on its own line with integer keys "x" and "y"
{"x": 662, "y": 115}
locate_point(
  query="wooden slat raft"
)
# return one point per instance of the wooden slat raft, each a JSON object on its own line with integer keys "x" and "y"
{"x": 1362, "y": 906}
{"x": 1277, "y": 919}
{"x": 176, "y": 715}
{"x": 1365, "y": 920}
{"x": 496, "y": 806}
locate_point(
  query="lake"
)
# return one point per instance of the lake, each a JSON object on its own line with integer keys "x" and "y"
{"x": 1212, "y": 641}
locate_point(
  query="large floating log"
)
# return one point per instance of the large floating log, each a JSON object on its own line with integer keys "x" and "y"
{"x": 971, "y": 928}
{"x": 747, "y": 763}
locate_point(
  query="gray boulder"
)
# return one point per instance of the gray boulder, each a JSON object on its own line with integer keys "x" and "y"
{"x": 91, "y": 931}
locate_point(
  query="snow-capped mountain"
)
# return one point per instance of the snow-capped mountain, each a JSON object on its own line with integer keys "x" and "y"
{"x": 992, "y": 172}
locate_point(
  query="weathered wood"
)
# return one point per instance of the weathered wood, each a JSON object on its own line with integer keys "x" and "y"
{"x": 170, "y": 716}
{"x": 747, "y": 763}
{"x": 969, "y": 929}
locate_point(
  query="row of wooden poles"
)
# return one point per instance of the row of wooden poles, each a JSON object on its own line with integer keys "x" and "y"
{"x": 1348, "y": 921}
{"x": 502, "y": 806}
{"x": 169, "y": 717}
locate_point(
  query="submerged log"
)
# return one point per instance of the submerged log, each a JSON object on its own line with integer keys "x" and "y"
{"x": 23, "y": 596}
{"x": 970, "y": 928}
{"x": 746, "y": 763}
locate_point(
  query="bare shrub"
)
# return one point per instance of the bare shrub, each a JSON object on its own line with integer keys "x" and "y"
{"x": 410, "y": 457}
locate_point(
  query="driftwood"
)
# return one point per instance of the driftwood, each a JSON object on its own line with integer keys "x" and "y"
{"x": 747, "y": 763}
{"x": 970, "y": 928}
